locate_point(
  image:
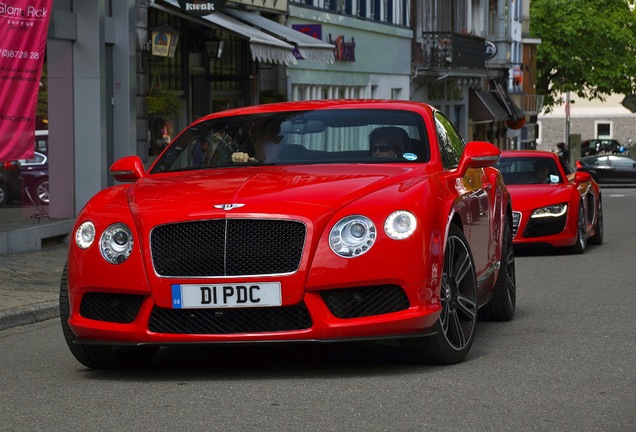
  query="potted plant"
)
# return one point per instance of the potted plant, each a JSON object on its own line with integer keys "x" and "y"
{"x": 162, "y": 102}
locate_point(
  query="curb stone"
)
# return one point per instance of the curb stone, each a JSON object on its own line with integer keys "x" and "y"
{"x": 31, "y": 314}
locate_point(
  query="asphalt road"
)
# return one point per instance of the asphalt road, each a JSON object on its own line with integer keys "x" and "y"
{"x": 566, "y": 363}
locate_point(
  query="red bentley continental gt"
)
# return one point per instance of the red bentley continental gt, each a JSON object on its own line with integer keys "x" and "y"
{"x": 552, "y": 203}
{"x": 300, "y": 221}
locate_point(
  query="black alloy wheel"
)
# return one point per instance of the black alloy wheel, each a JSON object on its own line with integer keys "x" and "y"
{"x": 581, "y": 240}
{"x": 99, "y": 356}
{"x": 502, "y": 305}
{"x": 597, "y": 238}
{"x": 455, "y": 329}
{"x": 4, "y": 195}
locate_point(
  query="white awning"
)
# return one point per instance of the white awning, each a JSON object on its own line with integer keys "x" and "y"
{"x": 264, "y": 48}
{"x": 310, "y": 48}
{"x": 484, "y": 106}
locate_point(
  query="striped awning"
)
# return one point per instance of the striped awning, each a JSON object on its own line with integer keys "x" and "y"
{"x": 270, "y": 42}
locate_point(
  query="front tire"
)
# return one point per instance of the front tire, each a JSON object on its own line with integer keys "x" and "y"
{"x": 581, "y": 240}
{"x": 455, "y": 328}
{"x": 502, "y": 305}
{"x": 597, "y": 238}
{"x": 41, "y": 191}
{"x": 4, "y": 195}
{"x": 99, "y": 356}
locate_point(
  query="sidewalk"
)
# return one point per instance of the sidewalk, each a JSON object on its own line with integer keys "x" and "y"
{"x": 30, "y": 284}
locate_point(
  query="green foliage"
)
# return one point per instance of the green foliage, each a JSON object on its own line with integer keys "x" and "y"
{"x": 42, "y": 110}
{"x": 162, "y": 102}
{"x": 588, "y": 47}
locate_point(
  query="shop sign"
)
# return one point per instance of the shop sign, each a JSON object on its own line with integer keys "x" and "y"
{"x": 23, "y": 29}
{"x": 313, "y": 30}
{"x": 345, "y": 51}
{"x": 200, "y": 7}
{"x": 277, "y": 5}
{"x": 164, "y": 41}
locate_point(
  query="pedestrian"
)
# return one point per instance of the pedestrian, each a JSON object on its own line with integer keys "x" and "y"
{"x": 563, "y": 151}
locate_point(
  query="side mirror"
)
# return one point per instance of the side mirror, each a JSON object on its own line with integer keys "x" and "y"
{"x": 128, "y": 169}
{"x": 478, "y": 154}
{"x": 582, "y": 177}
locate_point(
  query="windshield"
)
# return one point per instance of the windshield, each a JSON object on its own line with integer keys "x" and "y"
{"x": 529, "y": 170}
{"x": 299, "y": 137}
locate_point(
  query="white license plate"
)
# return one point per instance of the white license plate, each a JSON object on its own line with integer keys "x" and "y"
{"x": 257, "y": 294}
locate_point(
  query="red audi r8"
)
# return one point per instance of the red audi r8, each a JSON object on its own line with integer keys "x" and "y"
{"x": 298, "y": 221}
{"x": 553, "y": 204}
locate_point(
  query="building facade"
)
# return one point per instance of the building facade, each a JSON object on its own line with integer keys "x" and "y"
{"x": 467, "y": 57}
{"x": 125, "y": 76}
{"x": 589, "y": 119}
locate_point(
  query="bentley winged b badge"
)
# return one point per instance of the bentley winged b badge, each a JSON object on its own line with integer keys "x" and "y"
{"x": 228, "y": 206}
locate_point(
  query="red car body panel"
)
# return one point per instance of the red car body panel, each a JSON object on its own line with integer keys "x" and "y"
{"x": 526, "y": 198}
{"x": 317, "y": 195}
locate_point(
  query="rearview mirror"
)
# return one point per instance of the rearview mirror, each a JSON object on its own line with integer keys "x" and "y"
{"x": 582, "y": 177}
{"x": 478, "y": 154}
{"x": 128, "y": 169}
{"x": 301, "y": 126}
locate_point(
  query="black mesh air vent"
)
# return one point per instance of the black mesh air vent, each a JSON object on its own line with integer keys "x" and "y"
{"x": 365, "y": 301}
{"x": 539, "y": 227}
{"x": 229, "y": 321}
{"x": 227, "y": 247}
{"x": 117, "y": 308}
{"x": 516, "y": 220}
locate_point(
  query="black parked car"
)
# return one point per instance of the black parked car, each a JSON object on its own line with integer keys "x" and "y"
{"x": 9, "y": 182}
{"x": 609, "y": 168}
{"x": 35, "y": 176}
{"x": 599, "y": 146}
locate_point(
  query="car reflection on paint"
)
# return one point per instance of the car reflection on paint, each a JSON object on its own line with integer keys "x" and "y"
{"x": 34, "y": 174}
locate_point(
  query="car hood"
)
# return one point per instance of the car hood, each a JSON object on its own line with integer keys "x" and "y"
{"x": 275, "y": 191}
{"x": 530, "y": 197}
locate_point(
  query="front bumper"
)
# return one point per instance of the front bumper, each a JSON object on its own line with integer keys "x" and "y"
{"x": 553, "y": 231}
{"x": 370, "y": 312}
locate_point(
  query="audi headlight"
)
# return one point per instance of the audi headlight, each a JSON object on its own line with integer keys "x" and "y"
{"x": 400, "y": 225}
{"x": 550, "y": 211}
{"x": 116, "y": 243}
{"x": 352, "y": 236}
{"x": 85, "y": 235}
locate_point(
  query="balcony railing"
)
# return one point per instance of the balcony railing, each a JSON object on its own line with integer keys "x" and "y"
{"x": 529, "y": 103}
{"x": 453, "y": 50}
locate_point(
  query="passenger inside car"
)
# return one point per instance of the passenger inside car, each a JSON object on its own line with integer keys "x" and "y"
{"x": 264, "y": 143}
{"x": 541, "y": 172}
{"x": 388, "y": 141}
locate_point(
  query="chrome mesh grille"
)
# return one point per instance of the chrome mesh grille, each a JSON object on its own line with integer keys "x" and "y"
{"x": 516, "y": 220}
{"x": 227, "y": 247}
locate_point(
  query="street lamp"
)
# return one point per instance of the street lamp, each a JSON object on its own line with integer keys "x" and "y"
{"x": 214, "y": 48}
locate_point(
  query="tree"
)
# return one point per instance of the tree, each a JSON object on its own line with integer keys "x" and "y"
{"x": 588, "y": 47}
{"x": 42, "y": 110}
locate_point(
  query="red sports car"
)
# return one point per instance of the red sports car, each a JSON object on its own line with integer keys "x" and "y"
{"x": 553, "y": 204}
{"x": 300, "y": 221}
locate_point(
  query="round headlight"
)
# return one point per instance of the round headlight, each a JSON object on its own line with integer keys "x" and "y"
{"x": 352, "y": 236}
{"x": 116, "y": 243}
{"x": 400, "y": 225}
{"x": 85, "y": 235}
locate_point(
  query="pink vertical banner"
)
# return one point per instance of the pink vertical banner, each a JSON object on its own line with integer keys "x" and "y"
{"x": 24, "y": 25}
